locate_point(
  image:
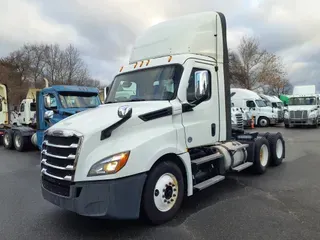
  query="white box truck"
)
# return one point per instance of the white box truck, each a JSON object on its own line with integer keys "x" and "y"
{"x": 303, "y": 107}
{"x": 143, "y": 154}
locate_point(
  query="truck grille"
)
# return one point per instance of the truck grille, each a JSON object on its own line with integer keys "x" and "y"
{"x": 58, "y": 160}
{"x": 299, "y": 114}
{"x": 239, "y": 120}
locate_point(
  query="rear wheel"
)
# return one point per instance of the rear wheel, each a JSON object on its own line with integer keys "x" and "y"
{"x": 261, "y": 155}
{"x": 277, "y": 148}
{"x": 287, "y": 126}
{"x": 163, "y": 193}
{"x": 7, "y": 140}
{"x": 20, "y": 142}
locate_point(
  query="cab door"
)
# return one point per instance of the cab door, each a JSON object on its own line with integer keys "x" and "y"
{"x": 201, "y": 123}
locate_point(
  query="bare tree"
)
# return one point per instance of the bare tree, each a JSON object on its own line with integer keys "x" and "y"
{"x": 252, "y": 67}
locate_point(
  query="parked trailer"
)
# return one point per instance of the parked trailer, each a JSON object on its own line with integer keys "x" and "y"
{"x": 52, "y": 105}
{"x": 170, "y": 139}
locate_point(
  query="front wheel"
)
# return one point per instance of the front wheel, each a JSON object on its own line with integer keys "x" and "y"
{"x": 163, "y": 193}
{"x": 263, "y": 122}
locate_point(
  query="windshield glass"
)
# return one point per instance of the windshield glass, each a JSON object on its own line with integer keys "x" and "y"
{"x": 261, "y": 103}
{"x": 302, "y": 101}
{"x": 159, "y": 83}
{"x": 79, "y": 100}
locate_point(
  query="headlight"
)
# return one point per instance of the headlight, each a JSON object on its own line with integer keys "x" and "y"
{"x": 312, "y": 115}
{"x": 109, "y": 165}
{"x": 286, "y": 114}
{"x": 274, "y": 116}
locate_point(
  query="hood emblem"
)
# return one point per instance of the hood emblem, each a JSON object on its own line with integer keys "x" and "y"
{"x": 125, "y": 111}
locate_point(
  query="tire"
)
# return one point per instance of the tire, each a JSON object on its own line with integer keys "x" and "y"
{"x": 263, "y": 122}
{"x": 20, "y": 142}
{"x": 316, "y": 125}
{"x": 157, "y": 190}
{"x": 286, "y": 126}
{"x": 277, "y": 148}
{"x": 7, "y": 140}
{"x": 261, "y": 157}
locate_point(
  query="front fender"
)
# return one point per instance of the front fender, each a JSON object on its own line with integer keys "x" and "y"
{"x": 147, "y": 142}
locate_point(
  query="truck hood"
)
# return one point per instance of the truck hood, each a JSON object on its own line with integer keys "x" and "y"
{"x": 103, "y": 116}
{"x": 302, "y": 108}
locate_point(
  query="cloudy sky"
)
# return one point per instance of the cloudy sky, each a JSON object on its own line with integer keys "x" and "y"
{"x": 104, "y": 30}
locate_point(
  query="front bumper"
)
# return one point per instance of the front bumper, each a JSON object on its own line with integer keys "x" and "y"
{"x": 273, "y": 121}
{"x": 312, "y": 121}
{"x": 112, "y": 199}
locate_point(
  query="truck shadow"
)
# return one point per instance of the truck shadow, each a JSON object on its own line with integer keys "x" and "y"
{"x": 137, "y": 229}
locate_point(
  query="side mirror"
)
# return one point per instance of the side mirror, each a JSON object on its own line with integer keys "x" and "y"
{"x": 105, "y": 93}
{"x": 201, "y": 83}
{"x": 48, "y": 115}
{"x": 47, "y": 101}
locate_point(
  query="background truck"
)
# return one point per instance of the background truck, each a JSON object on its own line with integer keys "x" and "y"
{"x": 49, "y": 106}
{"x": 263, "y": 114}
{"x": 142, "y": 154}
{"x": 276, "y": 104}
{"x": 303, "y": 107}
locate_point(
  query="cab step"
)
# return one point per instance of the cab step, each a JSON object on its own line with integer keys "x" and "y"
{"x": 209, "y": 182}
{"x": 242, "y": 166}
{"x": 208, "y": 158}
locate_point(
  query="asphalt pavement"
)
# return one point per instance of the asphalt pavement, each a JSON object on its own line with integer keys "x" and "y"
{"x": 282, "y": 204}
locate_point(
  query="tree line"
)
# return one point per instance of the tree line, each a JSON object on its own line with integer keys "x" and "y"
{"x": 257, "y": 69}
{"x": 27, "y": 66}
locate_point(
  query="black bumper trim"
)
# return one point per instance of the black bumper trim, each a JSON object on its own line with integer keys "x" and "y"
{"x": 112, "y": 199}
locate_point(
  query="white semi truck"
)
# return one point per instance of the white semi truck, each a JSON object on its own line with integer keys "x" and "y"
{"x": 303, "y": 107}
{"x": 172, "y": 137}
{"x": 264, "y": 115}
{"x": 276, "y": 104}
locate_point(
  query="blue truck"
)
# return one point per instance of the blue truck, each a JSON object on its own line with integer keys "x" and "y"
{"x": 52, "y": 104}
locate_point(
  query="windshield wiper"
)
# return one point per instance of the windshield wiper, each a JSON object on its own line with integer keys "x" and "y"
{"x": 136, "y": 100}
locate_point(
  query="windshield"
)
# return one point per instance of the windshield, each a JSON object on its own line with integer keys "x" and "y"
{"x": 261, "y": 103}
{"x": 79, "y": 100}
{"x": 159, "y": 83}
{"x": 302, "y": 101}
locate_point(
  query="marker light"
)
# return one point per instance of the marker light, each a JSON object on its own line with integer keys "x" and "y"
{"x": 135, "y": 65}
{"x": 148, "y": 62}
{"x": 141, "y": 64}
{"x": 170, "y": 58}
{"x": 121, "y": 69}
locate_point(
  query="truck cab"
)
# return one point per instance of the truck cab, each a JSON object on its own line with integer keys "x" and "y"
{"x": 52, "y": 104}
{"x": 264, "y": 115}
{"x": 3, "y": 105}
{"x": 163, "y": 134}
{"x": 276, "y": 104}
{"x": 303, "y": 107}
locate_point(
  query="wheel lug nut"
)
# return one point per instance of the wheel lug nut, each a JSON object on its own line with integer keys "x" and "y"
{"x": 174, "y": 195}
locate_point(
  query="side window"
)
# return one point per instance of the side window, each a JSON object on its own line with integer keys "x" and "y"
{"x": 0, "y": 104}
{"x": 32, "y": 107}
{"x": 251, "y": 104}
{"x": 22, "y": 107}
{"x": 191, "y": 86}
